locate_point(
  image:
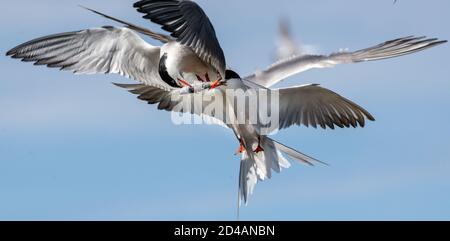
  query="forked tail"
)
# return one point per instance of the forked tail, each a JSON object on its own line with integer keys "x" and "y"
{"x": 259, "y": 167}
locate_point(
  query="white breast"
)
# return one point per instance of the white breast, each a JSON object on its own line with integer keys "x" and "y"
{"x": 183, "y": 63}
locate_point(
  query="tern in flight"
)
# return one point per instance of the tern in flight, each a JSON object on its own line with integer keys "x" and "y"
{"x": 286, "y": 45}
{"x": 191, "y": 62}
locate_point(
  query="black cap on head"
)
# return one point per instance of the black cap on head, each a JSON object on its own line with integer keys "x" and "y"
{"x": 230, "y": 74}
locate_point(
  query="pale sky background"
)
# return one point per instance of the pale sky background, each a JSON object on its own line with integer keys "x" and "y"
{"x": 77, "y": 147}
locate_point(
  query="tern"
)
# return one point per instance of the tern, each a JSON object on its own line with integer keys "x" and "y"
{"x": 192, "y": 50}
{"x": 195, "y": 49}
{"x": 286, "y": 45}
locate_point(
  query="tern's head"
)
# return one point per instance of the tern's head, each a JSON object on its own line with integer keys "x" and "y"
{"x": 230, "y": 74}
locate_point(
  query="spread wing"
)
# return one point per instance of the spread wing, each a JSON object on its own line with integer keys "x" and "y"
{"x": 97, "y": 50}
{"x": 390, "y": 49}
{"x": 312, "y": 105}
{"x": 189, "y": 25}
{"x": 170, "y": 99}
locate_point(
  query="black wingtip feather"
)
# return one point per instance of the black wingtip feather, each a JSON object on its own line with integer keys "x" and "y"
{"x": 13, "y": 52}
{"x": 10, "y": 53}
{"x": 440, "y": 42}
{"x": 138, "y": 4}
{"x": 128, "y": 86}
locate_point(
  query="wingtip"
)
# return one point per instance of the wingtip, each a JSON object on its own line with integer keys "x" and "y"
{"x": 88, "y": 9}
{"x": 11, "y": 52}
{"x": 117, "y": 84}
{"x": 436, "y": 43}
{"x": 129, "y": 87}
{"x": 125, "y": 86}
{"x": 138, "y": 4}
{"x": 319, "y": 162}
{"x": 83, "y": 7}
{"x": 325, "y": 164}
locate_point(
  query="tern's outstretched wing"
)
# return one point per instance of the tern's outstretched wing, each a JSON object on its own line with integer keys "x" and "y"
{"x": 312, "y": 105}
{"x": 97, "y": 50}
{"x": 394, "y": 48}
{"x": 188, "y": 23}
{"x": 170, "y": 99}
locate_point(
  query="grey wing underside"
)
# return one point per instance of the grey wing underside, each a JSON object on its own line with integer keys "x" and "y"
{"x": 312, "y": 105}
{"x": 297, "y": 64}
{"x": 308, "y": 105}
{"x": 152, "y": 95}
{"x": 169, "y": 99}
{"x": 189, "y": 25}
{"x": 97, "y": 50}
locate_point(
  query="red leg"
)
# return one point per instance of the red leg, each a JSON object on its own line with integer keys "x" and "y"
{"x": 200, "y": 78}
{"x": 241, "y": 148}
{"x": 184, "y": 82}
{"x": 259, "y": 147}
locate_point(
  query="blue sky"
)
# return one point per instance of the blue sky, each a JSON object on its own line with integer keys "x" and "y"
{"x": 76, "y": 147}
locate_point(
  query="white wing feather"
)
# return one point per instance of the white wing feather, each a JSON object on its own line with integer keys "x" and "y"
{"x": 97, "y": 50}
{"x": 297, "y": 64}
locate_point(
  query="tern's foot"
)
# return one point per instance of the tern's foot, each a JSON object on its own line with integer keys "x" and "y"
{"x": 258, "y": 149}
{"x": 240, "y": 150}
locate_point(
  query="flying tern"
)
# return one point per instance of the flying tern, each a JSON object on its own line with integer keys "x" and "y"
{"x": 286, "y": 45}
{"x": 192, "y": 51}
